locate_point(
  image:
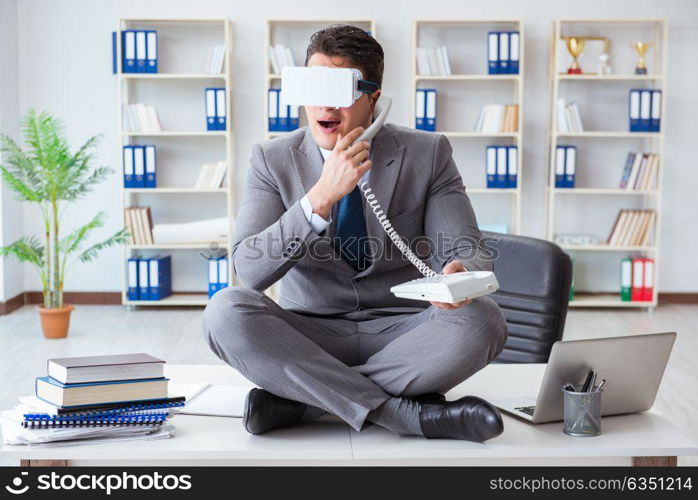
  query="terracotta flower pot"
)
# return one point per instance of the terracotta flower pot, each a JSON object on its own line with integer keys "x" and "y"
{"x": 55, "y": 321}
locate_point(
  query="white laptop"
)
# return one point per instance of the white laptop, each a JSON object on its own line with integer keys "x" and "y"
{"x": 632, "y": 366}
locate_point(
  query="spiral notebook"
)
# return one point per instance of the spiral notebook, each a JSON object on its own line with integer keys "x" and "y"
{"x": 39, "y": 422}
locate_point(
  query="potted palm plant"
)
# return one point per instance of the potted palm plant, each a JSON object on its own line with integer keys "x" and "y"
{"x": 48, "y": 174}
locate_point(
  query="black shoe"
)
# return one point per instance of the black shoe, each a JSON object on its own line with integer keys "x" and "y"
{"x": 430, "y": 398}
{"x": 469, "y": 418}
{"x": 265, "y": 412}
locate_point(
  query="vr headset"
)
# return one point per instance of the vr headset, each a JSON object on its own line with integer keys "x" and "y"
{"x": 323, "y": 86}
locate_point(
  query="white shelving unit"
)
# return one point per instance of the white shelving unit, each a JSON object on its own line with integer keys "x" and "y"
{"x": 295, "y": 34}
{"x": 177, "y": 91}
{"x": 466, "y": 41}
{"x": 609, "y": 90}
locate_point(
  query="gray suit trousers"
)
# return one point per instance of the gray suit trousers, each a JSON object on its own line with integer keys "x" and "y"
{"x": 349, "y": 367}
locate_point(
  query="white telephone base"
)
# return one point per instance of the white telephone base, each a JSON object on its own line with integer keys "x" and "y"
{"x": 449, "y": 288}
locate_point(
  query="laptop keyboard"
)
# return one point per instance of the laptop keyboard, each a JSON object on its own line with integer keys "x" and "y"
{"x": 528, "y": 410}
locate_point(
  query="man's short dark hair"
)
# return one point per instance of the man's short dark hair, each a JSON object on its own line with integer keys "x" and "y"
{"x": 352, "y": 43}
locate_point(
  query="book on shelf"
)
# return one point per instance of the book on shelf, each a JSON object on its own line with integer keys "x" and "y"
{"x": 568, "y": 117}
{"x": 215, "y": 56}
{"x": 280, "y": 56}
{"x": 211, "y": 175}
{"x": 433, "y": 61}
{"x": 139, "y": 51}
{"x": 82, "y": 369}
{"x": 139, "y": 223}
{"x": 565, "y": 166}
{"x": 498, "y": 118}
{"x": 282, "y": 117}
{"x": 149, "y": 278}
{"x": 141, "y": 118}
{"x": 503, "y": 52}
{"x": 217, "y": 274}
{"x": 644, "y": 110}
{"x": 640, "y": 172}
{"x": 501, "y": 166}
{"x": 632, "y": 227}
{"x": 637, "y": 279}
{"x": 425, "y": 109}
{"x": 216, "y": 108}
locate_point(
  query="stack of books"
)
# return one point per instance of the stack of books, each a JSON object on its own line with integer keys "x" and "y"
{"x": 139, "y": 51}
{"x": 433, "y": 61}
{"x": 94, "y": 399}
{"x": 280, "y": 56}
{"x": 211, "y": 175}
{"x": 141, "y": 118}
{"x": 569, "y": 119}
{"x": 214, "y": 60}
{"x": 632, "y": 228}
{"x": 502, "y": 166}
{"x": 216, "y": 110}
{"x": 495, "y": 118}
{"x": 637, "y": 279}
{"x": 139, "y": 223}
{"x": 503, "y": 52}
{"x": 640, "y": 172}
{"x": 645, "y": 110}
{"x": 139, "y": 166}
{"x": 149, "y": 278}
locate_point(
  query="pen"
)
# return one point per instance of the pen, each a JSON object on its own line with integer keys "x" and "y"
{"x": 587, "y": 381}
{"x": 603, "y": 381}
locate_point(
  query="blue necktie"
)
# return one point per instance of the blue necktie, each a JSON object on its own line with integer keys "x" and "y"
{"x": 351, "y": 231}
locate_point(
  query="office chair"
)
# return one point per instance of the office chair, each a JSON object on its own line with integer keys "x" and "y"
{"x": 534, "y": 286}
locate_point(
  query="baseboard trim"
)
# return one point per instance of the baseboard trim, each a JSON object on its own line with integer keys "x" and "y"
{"x": 27, "y": 298}
{"x": 678, "y": 298}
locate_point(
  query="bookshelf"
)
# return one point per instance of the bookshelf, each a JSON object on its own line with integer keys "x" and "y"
{"x": 177, "y": 92}
{"x": 295, "y": 34}
{"x": 601, "y": 151}
{"x": 460, "y": 97}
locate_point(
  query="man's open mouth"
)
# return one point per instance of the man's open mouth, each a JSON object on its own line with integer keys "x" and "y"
{"x": 329, "y": 125}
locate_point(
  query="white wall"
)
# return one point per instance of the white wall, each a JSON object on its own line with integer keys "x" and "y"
{"x": 65, "y": 67}
{"x": 11, "y": 282}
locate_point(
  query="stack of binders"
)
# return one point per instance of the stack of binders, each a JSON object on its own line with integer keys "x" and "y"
{"x": 217, "y": 274}
{"x": 282, "y": 117}
{"x": 565, "y": 166}
{"x": 139, "y": 166}
{"x": 216, "y": 109}
{"x": 149, "y": 278}
{"x": 645, "y": 110}
{"x": 503, "y": 52}
{"x": 425, "y": 110}
{"x": 139, "y": 51}
{"x": 502, "y": 166}
{"x": 93, "y": 399}
{"x": 637, "y": 279}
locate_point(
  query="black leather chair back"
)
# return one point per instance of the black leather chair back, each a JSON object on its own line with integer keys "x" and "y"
{"x": 534, "y": 285}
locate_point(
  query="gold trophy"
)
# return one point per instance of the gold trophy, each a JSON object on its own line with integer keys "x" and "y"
{"x": 575, "y": 46}
{"x": 641, "y": 48}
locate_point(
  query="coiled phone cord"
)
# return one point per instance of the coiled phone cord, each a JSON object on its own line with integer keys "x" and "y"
{"x": 392, "y": 234}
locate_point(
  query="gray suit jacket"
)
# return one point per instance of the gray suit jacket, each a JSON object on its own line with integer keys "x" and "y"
{"x": 417, "y": 184}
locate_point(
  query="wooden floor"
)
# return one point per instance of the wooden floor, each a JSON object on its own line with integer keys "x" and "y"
{"x": 174, "y": 334}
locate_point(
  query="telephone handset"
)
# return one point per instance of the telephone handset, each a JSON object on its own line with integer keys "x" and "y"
{"x": 341, "y": 87}
{"x": 450, "y": 288}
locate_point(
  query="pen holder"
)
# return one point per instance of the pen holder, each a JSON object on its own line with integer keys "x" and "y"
{"x": 582, "y": 412}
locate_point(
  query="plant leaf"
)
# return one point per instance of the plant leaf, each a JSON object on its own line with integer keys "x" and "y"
{"x": 118, "y": 238}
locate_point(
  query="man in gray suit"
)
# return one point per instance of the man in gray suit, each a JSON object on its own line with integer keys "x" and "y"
{"x": 339, "y": 341}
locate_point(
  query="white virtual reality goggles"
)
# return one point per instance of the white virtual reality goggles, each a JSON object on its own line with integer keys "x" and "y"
{"x": 323, "y": 86}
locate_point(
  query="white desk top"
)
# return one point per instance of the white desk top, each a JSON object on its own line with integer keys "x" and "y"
{"x": 219, "y": 438}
